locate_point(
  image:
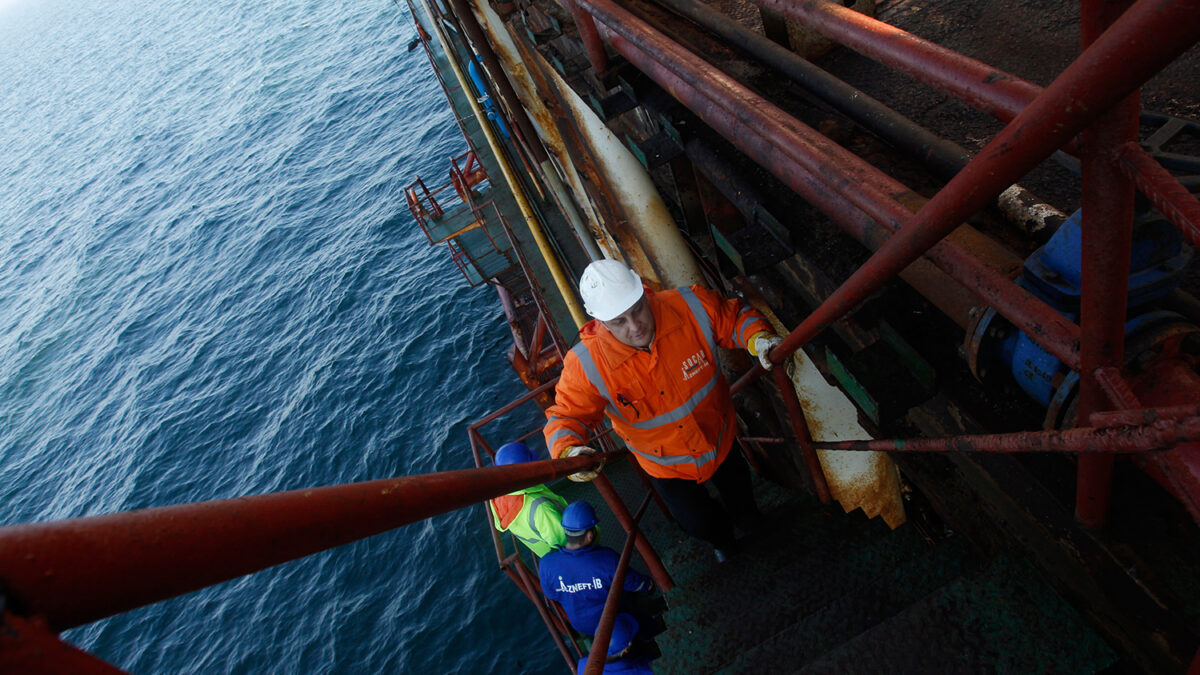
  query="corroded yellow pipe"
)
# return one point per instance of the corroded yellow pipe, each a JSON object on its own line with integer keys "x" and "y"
{"x": 565, "y": 289}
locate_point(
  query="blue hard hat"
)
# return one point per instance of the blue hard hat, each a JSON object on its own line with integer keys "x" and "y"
{"x": 624, "y": 628}
{"x": 514, "y": 453}
{"x": 578, "y": 517}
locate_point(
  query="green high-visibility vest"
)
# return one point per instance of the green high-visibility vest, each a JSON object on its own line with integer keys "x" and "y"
{"x": 538, "y": 524}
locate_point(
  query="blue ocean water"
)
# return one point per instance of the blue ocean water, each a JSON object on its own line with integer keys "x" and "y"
{"x": 210, "y": 286}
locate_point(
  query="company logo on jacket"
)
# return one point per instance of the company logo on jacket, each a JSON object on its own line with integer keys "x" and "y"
{"x": 693, "y": 364}
{"x": 594, "y": 585}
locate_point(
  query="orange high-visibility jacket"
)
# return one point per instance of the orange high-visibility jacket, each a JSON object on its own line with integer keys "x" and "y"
{"x": 670, "y": 404}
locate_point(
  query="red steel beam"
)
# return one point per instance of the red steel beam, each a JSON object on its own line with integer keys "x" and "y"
{"x": 1107, "y": 238}
{"x": 1162, "y": 434}
{"x": 1117, "y": 389}
{"x": 598, "y": 654}
{"x": 1162, "y": 189}
{"x": 654, "y": 564}
{"x": 1146, "y": 38}
{"x": 982, "y": 86}
{"x": 1142, "y": 416}
{"x": 814, "y": 166}
{"x": 800, "y": 428}
{"x": 28, "y": 647}
{"x": 72, "y": 572}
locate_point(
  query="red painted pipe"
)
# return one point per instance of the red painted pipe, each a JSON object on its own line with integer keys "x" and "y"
{"x": 814, "y": 167}
{"x": 30, "y": 648}
{"x": 1142, "y": 416}
{"x": 1117, "y": 389}
{"x": 1162, "y": 188}
{"x": 75, "y": 571}
{"x": 787, "y": 392}
{"x": 1107, "y": 237}
{"x": 598, "y": 654}
{"x": 654, "y": 564}
{"x": 1145, "y": 39}
{"x": 1160, "y": 435}
{"x": 1168, "y": 383}
{"x": 589, "y": 36}
{"x": 980, "y": 85}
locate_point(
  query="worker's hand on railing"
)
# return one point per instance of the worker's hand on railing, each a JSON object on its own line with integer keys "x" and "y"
{"x": 763, "y": 343}
{"x": 575, "y": 451}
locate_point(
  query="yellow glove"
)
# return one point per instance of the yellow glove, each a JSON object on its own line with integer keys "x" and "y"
{"x": 575, "y": 451}
{"x": 762, "y": 344}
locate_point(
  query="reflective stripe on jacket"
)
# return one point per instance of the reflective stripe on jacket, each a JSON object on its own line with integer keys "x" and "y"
{"x": 670, "y": 404}
{"x": 538, "y": 523}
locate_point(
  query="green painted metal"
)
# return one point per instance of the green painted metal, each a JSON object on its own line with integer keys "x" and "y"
{"x": 851, "y": 386}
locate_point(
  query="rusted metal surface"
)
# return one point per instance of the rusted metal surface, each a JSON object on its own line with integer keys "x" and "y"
{"x": 631, "y": 221}
{"x": 599, "y": 651}
{"x": 1163, "y": 434}
{"x": 1164, "y": 191}
{"x": 28, "y": 647}
{"x": 654, "y": 564}
{"x": 857, "y": 480}
{"x": 525, "y": 580}
{"x": 1169, "y": 382}
{"x": 1142, "y": 416}
{"x": 814, "y": 167}
{"x": 589, "y": 36}
{"x": 1116, "y": 388}
{"x": 75, "y": 571}
{"x": 1000, "y": 94}
{"x": 1146, "y": 38}
{"x": 1107, "y": 238}
{"x": 801, "y": 435}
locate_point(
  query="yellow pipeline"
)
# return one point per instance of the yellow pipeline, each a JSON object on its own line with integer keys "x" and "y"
{"x": 539, "y": 236}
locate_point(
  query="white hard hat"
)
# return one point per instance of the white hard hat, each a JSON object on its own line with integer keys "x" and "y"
{"x": 609, "y": 288}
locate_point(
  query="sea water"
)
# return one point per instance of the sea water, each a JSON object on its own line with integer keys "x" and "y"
{"x": 210, "y": 286}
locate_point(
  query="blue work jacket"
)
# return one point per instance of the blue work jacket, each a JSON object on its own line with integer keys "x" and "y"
{"x": 579, "y": 580}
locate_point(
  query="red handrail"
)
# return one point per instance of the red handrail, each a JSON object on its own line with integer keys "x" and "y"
{"x": 72, "y": 572}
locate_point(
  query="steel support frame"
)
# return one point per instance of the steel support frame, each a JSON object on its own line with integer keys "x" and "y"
{"x": 1145, "y": 39}
{"x": 599, "y": 651}
{"x": 1163, "y": 433}
{"x": 75, "y": 571}
{"x": 1107, "y": 239}
{"x": 818, "y": 169}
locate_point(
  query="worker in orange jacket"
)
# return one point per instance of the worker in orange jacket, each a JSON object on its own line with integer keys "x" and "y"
{"x": 649, "y": 361}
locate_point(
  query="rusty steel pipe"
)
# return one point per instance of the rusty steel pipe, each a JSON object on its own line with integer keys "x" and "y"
{"x": 523, "y": 398}
{"x": 593, "y": 46}
{"x": 654, "y": 564}
{"x": 75, "y": 571}
{"x": 944, "y": 157}
{"x": 1119, "y": 393}
{"x": 28, "y": 647}
{"x": 1145, "y": 39}
{"x": 1162, "y": 434}
{"x": 598, "y": 654}
{"x": 1142, "y": 416}
{"x": 1163, "y": 189}
{"x": 787, "y": 391}
{"x": 812, "y": 165}
{"x": 1107, "y": 238}
{"x": 523, "y": 577}
{"x": 982, "y": 86}
{"x": 504, "y": 88}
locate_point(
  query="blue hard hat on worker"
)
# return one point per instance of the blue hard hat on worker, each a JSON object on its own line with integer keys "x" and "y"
{"x": 624, "y": 629}
{"x": 578, "y": 518}
{"x": 515, "y": 452}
